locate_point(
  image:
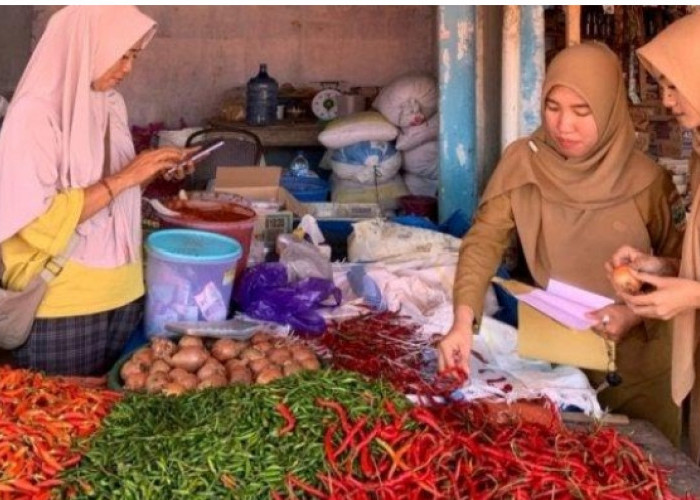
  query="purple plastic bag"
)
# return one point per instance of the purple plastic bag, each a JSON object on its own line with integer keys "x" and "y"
{"x": 265, "y": 293}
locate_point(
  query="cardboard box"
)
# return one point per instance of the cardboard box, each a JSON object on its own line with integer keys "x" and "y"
{"x": 276, "y": 207}
{"x": 542, "y": 338}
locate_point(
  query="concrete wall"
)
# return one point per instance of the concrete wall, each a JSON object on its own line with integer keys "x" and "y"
{"x": 15, "y": 34}
{"x": 200, "y": 52}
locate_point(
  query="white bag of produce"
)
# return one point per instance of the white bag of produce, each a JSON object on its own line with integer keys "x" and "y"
{"x": 408, "y": 100}
{"x": 347, "y": 191}
{"x": 377, "y": 240}
{"x": 423, "y": 160}
{"x": 364, "y": 126}
{"x": 421, "y": 185}
{"x": 362, "y": 161}
{"x": 412, "y": 137}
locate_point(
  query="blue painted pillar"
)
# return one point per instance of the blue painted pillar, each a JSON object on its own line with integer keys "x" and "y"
{"x": 531, "y": 66}
{"x": 458, "y": 168}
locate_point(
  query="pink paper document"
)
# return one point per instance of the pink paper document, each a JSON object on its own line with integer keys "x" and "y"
{"x": 566, "y": 304}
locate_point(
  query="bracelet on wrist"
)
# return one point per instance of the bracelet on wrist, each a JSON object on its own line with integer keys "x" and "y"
{"x": 108, "y": 188}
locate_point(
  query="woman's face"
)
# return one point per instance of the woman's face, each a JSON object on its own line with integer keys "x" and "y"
{"x": 569, "y": 121}
{"x": 117, "y": 72}
{"x": 678, "y": 105}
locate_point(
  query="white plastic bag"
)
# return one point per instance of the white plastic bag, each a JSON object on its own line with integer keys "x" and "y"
{"x": 364, "y": 126}
{"x": 362, "y": 161}
{"x": 422, "y": 160}
{"x": 388, "y": 192}
{"x": 421, "y": 185}
{"x": 377, "y": 240}
{"x": 412, "y": 137}
{"x": 408, "y": 100}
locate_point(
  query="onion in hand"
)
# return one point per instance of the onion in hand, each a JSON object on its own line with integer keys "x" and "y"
{"x": 623, "y": 280}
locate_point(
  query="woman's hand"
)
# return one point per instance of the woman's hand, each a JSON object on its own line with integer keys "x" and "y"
{"x": 151, "y": 163}
{"x": 614, "y": 321}
{"x": 454, "y": 349}
{"x": 142, "y": 169}
{"x": 637, "y": 260}
{"x": 670, "y": 297}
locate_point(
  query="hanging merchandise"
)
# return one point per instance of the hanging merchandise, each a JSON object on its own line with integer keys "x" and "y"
{"x": 261, "y": 98}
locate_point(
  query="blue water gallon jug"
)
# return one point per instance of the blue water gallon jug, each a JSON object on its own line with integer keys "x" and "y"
{"x": 261, "y": 98}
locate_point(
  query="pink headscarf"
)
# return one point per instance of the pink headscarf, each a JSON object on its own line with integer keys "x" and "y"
{"x": 53, "y": 135}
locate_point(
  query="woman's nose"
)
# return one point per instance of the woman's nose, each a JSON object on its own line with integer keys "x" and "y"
{"x": 564, "y": 124}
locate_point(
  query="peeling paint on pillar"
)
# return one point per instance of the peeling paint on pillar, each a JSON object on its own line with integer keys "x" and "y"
{"x": 458, "y": 169}
{"x": 510, "y": 79}
{"x": 531, "y": 66}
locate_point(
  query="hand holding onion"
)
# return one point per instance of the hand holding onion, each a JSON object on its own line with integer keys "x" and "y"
{"x": 624, "y": 281}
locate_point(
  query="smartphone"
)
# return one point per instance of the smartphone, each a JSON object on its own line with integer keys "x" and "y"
{"x": 199, "y": 155}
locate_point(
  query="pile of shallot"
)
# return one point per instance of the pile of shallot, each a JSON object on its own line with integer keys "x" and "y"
{"x": 172, "y": 368}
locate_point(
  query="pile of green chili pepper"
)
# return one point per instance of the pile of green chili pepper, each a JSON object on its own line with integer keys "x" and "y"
{"x": 235, "y": 442}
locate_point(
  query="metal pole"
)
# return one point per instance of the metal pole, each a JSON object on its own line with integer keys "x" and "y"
{"x": 458, "y": 168}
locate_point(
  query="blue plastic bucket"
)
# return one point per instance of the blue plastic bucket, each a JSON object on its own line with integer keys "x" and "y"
{"x": 189, "y": 277}
{"x": 306, "y": 189}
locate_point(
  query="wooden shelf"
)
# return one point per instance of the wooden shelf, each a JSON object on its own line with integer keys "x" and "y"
{"x": 281, "y": 134}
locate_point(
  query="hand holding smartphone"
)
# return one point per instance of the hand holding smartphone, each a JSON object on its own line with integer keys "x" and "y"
{"x": 198, "y": 156}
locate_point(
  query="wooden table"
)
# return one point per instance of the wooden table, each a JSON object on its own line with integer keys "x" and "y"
{"x": 281, "y": 134}
{"x": 683, "y": 476}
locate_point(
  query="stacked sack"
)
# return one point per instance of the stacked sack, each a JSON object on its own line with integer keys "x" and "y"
{"x": 364, "y": 159}
{"x": 411, "y": 103}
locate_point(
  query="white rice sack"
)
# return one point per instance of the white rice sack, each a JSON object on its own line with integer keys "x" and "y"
{"x": 412, "y": 137}
{"x": 423, "y": 160}
{"x": 409, "y": 100}
{"x": 351, "y": 129}
{"x": 388, "y": 192}
{"x": 375, "y": 240}
{"x": 421, "y": 185}
{"x": 362, "y": 161}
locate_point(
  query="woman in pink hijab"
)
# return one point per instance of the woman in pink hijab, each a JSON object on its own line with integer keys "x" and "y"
{"x": 68, "y": 167}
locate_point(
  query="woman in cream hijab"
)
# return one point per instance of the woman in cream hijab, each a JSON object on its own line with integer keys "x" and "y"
{"x": 573, "y": 192}
{"x": 672, "y": 58}
{"x": 68, "y": 167}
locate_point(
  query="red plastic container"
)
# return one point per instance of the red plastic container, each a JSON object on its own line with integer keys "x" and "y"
{"x": 424, "y": 206}
{"x": 240, "y": 229}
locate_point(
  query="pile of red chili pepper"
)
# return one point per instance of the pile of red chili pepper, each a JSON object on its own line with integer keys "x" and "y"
{"x": 460, "y": 451}
{"x": 383, "y": 345}
{"x": 41, "y": 419}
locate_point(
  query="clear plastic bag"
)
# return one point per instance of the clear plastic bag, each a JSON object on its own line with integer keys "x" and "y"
{"x": 266, "y": 293}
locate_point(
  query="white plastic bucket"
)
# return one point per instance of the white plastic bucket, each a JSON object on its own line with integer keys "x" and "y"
{"x": 189, "y": 277}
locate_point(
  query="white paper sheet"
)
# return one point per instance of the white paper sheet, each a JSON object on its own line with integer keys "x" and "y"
{"x": 566, "y": 304}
